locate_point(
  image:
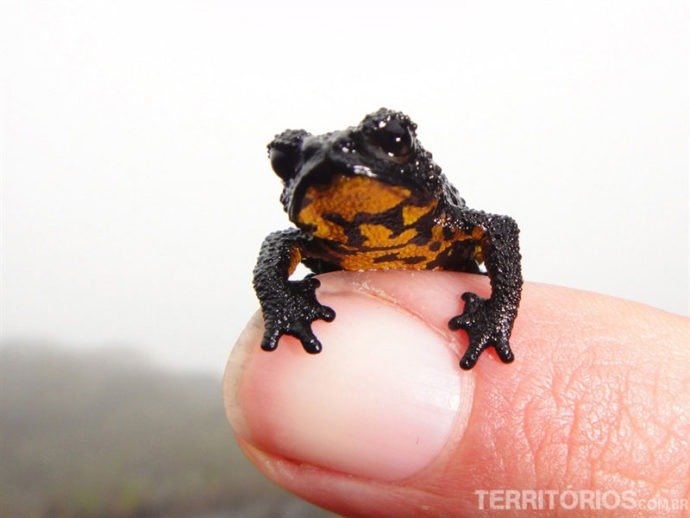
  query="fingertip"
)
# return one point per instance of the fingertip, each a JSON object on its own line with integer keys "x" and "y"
{"x": 384, "y": 421}
{"x": 381, "y": 400}
{"x": 237, "y": 362}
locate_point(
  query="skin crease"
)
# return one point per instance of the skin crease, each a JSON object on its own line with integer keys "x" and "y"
{"x": 597, "y": 398}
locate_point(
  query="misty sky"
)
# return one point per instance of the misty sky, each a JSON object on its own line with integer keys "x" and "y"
{"x": 136, "y": 190}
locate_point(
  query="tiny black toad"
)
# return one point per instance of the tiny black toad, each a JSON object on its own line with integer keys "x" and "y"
{"x": 370, "y": 197}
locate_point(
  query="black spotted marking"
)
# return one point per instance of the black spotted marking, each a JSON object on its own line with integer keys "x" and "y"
{"x": 336, "y": 218}
{"x": 331, "y": 249}
{"x": 351, "y": 230}
{"x": 392, "y": 219}
{"x": 387, "y": 258}
{"x": 414, "y": 260}
{"x": 425, "y": 223}
{"x": 420, "y": 239}
{"x": 459, "y": 257}
{"x": 435, "y": 246}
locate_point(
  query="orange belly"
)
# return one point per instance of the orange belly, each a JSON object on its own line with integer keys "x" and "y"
{"x": 359, "y": 223}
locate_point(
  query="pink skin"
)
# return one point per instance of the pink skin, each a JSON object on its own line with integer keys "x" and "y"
{"x": 383, "y": 422}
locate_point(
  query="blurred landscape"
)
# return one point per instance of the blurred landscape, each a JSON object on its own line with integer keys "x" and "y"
{"x": 107, "y": 434}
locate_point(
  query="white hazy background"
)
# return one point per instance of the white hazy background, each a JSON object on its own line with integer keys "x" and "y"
{"x": 136, "y": 189}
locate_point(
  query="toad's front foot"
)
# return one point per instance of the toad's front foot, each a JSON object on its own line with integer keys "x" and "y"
{"x": 485, "y": 326}
{"x": 293, "y": 313}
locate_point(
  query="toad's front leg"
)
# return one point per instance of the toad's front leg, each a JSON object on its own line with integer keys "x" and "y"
{"x": 489, "y": 322}
{"x": 289, "y": 307}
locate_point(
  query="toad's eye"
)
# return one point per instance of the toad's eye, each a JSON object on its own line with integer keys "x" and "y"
{"x": 394, "y": 139}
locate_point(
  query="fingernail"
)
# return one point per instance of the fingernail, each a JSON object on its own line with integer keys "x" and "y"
{"x": 380, "y": 401}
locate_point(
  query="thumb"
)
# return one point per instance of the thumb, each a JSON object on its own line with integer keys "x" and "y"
{"x": 384, "y": 422}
